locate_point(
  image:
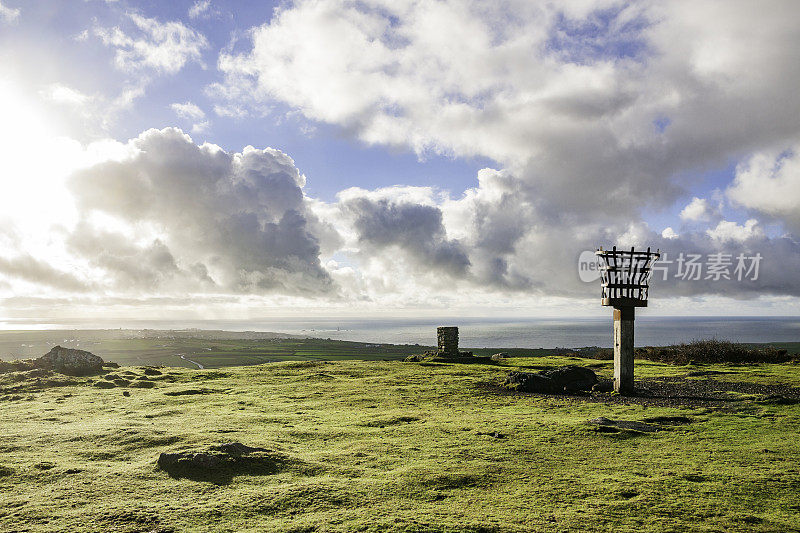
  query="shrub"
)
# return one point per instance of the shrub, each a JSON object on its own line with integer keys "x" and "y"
{"x": 706, "y": 351}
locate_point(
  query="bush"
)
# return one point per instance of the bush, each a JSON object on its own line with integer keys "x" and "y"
{"x": 706, "y": 351}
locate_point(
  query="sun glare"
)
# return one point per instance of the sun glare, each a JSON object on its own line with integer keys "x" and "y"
{"x": 34, "y": 164}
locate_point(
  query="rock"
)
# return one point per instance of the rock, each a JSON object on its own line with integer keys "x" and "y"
{"x": 104, "y": 385}
{"x": 607, "y": 385}
{"x": 499, "y": 356}
{"x": 150, "y": 371}
{"x": 237, "y": 448}
{"x": 126, "y": 393}
{"x": 110, "y": 364}
{"x": 554, "y": 380}
{"x": 142, "y": 384}
{"x": 414, "y": 358}
{"x": 70, "y": 361}
{"x": 631, "y": 425}
{"x": 219, "y": 463}
{"x": 203, "y": 460}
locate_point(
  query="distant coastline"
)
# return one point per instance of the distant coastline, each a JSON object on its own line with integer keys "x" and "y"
{"x": 474, "y": 332}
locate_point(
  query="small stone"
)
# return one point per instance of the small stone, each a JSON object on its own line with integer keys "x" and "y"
{"x": 126, "y": 393}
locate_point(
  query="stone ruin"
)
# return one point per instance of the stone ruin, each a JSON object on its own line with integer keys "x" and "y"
{"x": 447, "y": 340}
{"x": 447, "y": 348}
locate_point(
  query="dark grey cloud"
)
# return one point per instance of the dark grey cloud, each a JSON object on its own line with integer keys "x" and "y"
{"x": 130, "y": 266}
{"x": 28, "y": 268}
{"x": 416, "y": 230}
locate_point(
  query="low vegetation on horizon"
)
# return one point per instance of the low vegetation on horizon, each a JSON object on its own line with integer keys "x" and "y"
{"x": 706, "y": 351}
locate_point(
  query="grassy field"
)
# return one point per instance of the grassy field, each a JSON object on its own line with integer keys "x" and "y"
{"x": 391, "y": 446}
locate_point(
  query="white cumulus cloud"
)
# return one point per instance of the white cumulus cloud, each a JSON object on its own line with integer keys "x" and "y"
{"x": 699, "y": 210}
{"x": 769, "y": 182}
{"x": 234, "y": 221}
{"x": 727, "y": 230}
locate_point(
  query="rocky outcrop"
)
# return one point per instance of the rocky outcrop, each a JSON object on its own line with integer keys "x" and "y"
{"x": 70, "y": 361}
{"x": 221, "y": 462}
{"x": 553, "y": 380}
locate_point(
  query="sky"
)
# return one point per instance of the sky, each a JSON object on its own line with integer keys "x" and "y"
{"x": 227, "y": 159}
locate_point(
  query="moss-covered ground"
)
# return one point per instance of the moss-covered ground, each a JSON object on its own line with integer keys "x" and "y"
{"x": 390, "y": 446}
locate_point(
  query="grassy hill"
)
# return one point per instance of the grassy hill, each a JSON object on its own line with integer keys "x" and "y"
{"x": 391, "y": 446}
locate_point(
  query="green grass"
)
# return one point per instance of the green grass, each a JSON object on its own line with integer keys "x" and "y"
{"x": 390, "y": 446}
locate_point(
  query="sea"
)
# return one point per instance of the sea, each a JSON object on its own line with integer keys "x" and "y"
{"x": 549, "y": 333}
{"x": 496, "y": 332}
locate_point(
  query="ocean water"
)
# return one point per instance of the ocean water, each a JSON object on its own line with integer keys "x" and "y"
{"x": 551, "y": 333}
{"x": 498, "y": 332}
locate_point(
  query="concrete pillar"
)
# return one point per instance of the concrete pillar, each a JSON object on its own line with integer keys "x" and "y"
{"x": 623, "y": 349}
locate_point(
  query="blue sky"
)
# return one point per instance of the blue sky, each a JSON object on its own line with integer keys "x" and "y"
{"x": 327, "y": 155}
{"x": 443, "y": 145}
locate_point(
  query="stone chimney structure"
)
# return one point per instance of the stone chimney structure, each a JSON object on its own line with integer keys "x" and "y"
{"x": 447, "y": 338}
